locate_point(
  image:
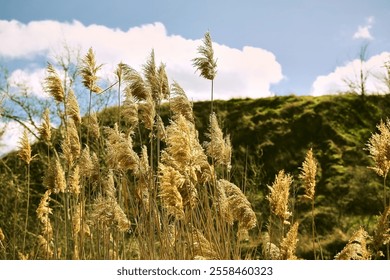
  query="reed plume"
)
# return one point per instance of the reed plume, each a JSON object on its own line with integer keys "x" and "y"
{"x": 25, "y": 148}
{"x": 279, "y": 195}
{"x": 93, "y": 125}
{"x": 43, "y": 211}
{"x": 308, "y": 175}
{"x": 240, "y": 209}
{"x": 137, "y": 86}
{"x": 356, "y": 249}
{"x": 179, "y": 103}
{"x": 147, "y": 113}
{"x": 382, "y": 233}
{"x": 89, "y": 70}
{"x": 53, "y": 84}
{"x": 170, "y": 183}
{"x": 71, "y": 147}
{"x": 45, "y": 128}
{"x": 72, "y": 106}
{"x": 74, "y": 181}
{"x": 219, "y": 148}
{"x": 203, "y": 248}
{"x": 183, "y": 151}
{"x": 206, "y": 64}
{"x": 120, "y": 153}
{"x": 130, "y": 110}
{"x": 289, "y": 244}
{"x": 87, "y": 167}
{"x": 54, "y": 178}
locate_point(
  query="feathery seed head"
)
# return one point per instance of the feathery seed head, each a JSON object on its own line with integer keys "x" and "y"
{"x": 239, "y": 206}
{"x": 180, "y": 104}
{"x": 45, "y": 129}
{"x": 73, "y": 107}
{"x": 279, "y": 195}
{"x": 206, "y": 64}
{"x": 89, "y": 71}
{"x": 308, "y": 175}
{"x": 25, "y": 148}
{"x": 53, "y": 84}
{"x": 356, "y": 249}
{"x": 170, "y": 183}
{"x": 289, "y": 244}
{"x": 379, "y": 148}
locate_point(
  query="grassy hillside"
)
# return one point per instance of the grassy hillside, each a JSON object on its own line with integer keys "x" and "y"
{"x": 267, "y": 135}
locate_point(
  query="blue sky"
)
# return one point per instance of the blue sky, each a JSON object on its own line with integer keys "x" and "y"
{"x": 308, "y": 38}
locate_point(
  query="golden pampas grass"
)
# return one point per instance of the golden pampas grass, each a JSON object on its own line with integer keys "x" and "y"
{"x": 120, "y": 153}
{"x": 382, "y": 232}
{"x": 147, "y": 112}
{"x": 206, "y": 64}
{"x": 289, "y": 243}
{"x": 74, "y": 181}
{"x": 53, "y": 84}
{"x": 179, "y": 103}
{"x": 130, "y": 110}
{"x": 54, "y": 178}
{"x": 45, "y": 128}
{"x": 308, "y": 175}
{"x": 71, "y": 147}
{"x": 73, "y": 109}
{"x": 203, "y": 248}
{"x": 89, "y": 70}
{"x": 356, "y": 249}
{"x": 238, "y": 205}
{"x": 379, "y": 148}
{"x": 183, "y": 151}
{"x": 43, "y": 211}
{"x": 278, "y": 198}
{"x": 106, "y": 212}
{"x": 219, "y": 148}
{"x": 25, "y": 148}
{"x": 137, "y": 86}
{"x": 86, "y": 164}
{"x": 170, "y": 183}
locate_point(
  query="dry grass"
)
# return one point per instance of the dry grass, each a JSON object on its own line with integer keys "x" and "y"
{"x": 141, "y": 189}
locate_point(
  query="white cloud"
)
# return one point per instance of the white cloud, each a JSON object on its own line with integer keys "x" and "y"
{"x": 335, "y": 82}
{"x": 10, "y": 139}
{"x": 363, "y": 32}
{"x": 32, "y": 78}
{"x": 247, "y": 72}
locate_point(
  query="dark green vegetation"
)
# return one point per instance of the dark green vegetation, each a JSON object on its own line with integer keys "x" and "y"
{"x": 269, "y": 135}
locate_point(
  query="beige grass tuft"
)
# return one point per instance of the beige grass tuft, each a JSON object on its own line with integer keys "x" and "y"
{"x": 53, "y": 84}
{"x": 25, "y": 148}
{"x": 45, "y": 128}
{"x": 89, "y": 70}
{"x": 308, "y": 175}
{"x": 356, "y": 249}
{"x": 279, "y": 195}
{"x": 289, "y": 243}
{"x": 239, "y": 206}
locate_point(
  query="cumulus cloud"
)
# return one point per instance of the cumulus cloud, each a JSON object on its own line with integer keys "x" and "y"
{"x": 246, "y": 72}
{"x": 337, "y": 81}
{"x": 31, "y": 78}
{"x": 363, "y": 32}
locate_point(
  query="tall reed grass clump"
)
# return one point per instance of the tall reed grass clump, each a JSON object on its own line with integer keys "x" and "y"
{"x": 142, "y": 185}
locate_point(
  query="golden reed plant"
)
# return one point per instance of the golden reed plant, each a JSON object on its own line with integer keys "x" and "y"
{"x": 147, "y": 188}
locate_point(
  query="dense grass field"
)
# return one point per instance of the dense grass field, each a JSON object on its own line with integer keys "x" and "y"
{"x": 159, "y": 177}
